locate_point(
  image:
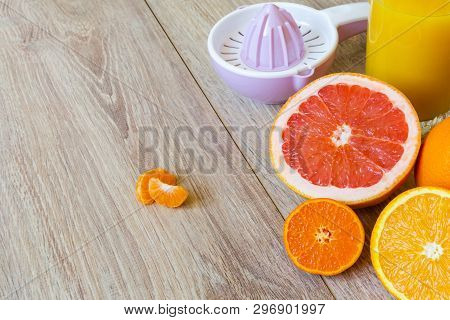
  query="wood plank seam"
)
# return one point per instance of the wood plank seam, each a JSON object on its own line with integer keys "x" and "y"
{"x": 231, "y": 136}
{"x": 365, "y": 283}
{"x": 138, "y": 93}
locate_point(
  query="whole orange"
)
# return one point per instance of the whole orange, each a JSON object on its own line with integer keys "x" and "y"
{"x": 433, "y": 164}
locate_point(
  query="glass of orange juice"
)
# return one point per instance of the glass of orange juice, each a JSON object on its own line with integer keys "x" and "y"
{"x": 408, "y": 46}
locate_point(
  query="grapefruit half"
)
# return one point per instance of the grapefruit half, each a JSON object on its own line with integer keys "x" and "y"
{"x": 347, "y": 137}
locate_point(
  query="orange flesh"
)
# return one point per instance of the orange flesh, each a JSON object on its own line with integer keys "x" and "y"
{"x": 142, "y": 190}
{"x": 323, "y": 236}
{"x": 142, "y": 194}
{"x": 413, "y": 247}
{"x": 346, "y": 136}
{"x": 167, "y": 195}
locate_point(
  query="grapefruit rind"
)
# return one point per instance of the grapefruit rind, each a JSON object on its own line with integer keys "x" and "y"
{"x": 317, "y": 271}
{"x": 379, "y": 226}
{"x": 355, "y": 197}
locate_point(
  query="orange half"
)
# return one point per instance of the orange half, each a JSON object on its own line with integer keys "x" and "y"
{"x": 410, "y": 245}
{"x": 323, "y": 236}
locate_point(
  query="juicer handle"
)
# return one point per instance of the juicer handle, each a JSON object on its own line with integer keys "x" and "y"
{"x": 349, "y": 19}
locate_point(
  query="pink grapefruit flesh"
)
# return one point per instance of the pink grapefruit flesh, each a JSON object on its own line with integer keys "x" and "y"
{"x": 346, "y": 137}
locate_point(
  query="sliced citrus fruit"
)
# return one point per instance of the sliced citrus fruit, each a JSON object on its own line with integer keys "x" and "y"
{"x": 347, "y": 137}
{"x": 323, "y": 236}
{"x": 142, "y": 192}
{"x": 410, "y": 248}
{"x": 166, "y": 194}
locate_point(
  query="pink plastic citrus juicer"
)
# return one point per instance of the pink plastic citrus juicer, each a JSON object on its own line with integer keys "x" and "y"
{"x": 269, "y": 51}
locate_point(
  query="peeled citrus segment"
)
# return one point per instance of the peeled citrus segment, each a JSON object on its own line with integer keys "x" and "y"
{"x": 323, "y": 236}
{"x": 410, "y": 248}
{"x": 166, "y": 194}
{"x": 142, "y": 191}
{"x": 347, "y": 137}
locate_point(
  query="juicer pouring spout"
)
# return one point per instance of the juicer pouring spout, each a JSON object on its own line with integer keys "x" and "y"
{"x": 301, "y": 79}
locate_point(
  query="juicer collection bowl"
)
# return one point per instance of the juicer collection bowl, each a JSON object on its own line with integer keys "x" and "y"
{"x": 325, "y": 27}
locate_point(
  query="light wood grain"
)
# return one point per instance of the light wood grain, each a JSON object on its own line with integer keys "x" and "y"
{"x": 79, "y": 80}
{"x": 191, "y": 28}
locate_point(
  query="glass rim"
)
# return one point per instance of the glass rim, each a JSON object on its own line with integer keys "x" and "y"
{"x": 404, "y": 12}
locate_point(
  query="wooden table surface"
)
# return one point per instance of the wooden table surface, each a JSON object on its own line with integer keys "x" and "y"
{"x": 84, "y": 87}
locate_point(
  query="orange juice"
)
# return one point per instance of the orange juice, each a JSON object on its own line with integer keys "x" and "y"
{"x": 408, "y": 46}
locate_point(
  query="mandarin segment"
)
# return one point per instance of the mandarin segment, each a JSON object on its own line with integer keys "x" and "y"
{"x": 323, "y": 237}
{"x": 410, "y": 247}
{"x": 142, "y": 184}
{"x": 142, "y": 194}
{"x": 166, "y": 194}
